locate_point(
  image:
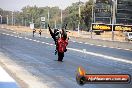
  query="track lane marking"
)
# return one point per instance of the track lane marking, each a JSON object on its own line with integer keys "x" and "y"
{"x": 100, "y": 45}
{"x": 20, "y": 37}
{"x": 30, "y": 39}
{"x": 103, "y": 56}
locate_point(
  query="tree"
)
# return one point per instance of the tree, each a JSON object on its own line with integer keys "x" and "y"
{"x": 72, "y": 16}
{"x": 86, "y": 13}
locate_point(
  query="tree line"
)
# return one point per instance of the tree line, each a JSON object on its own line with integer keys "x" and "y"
{"x": 33, "y": 14}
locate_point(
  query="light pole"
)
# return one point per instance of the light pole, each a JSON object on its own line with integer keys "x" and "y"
{"x": 22, "y": 21}
{"x": 48, "y": 18}
{"x": 1, "y": 19}
{"x": 25, "y": 23}
{"x": 113, "y": 19}
{"x": 93, "y": 12}
{"x": 93, "y": 19}
{"x": 79, "y": 11}
{"x": 115, "y": 9}
{"x": 12, "y": 19}
{"x": 48, "y": 14}
{"x": 7, "y": 20}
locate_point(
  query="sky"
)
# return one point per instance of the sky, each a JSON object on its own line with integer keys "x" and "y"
{"x": 17, "y": 5}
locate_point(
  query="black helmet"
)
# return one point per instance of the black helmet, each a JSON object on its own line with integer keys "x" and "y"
{"x": 57, "y": 32}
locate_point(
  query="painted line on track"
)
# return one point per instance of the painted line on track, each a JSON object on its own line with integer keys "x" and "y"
{"x": 30, "y": 39}
{"x": 11, "y": 35}
{"x": 80, "y": 42}
{"x": 7, "y": 34}
{"x": 103, "y": 56}
{"x": 34, "y": 40}
{"x": 20, "y": 37}
{"x": 101, "y": 45}
{"x": 14, "y": 32}
{"x": 43, "y": 42}
{"x": 26, "y": 38}
{"x": 3, "y": 33}
{"x": 16, "y": 36}
{"x": 38, "y": 41}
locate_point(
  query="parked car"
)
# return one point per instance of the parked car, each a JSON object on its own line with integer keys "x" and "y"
{"x": 128, "y": 36}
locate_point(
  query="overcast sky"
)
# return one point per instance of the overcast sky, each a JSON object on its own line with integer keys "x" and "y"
{"x": 16, "y": 5}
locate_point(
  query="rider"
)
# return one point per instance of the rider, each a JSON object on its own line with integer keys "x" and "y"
{"x": 59, "y": 38}
{"x": 34, "y": 31}
{"x": 40, "y": 32}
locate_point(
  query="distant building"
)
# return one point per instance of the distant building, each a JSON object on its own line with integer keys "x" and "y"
{"x": 124, "y": 12}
